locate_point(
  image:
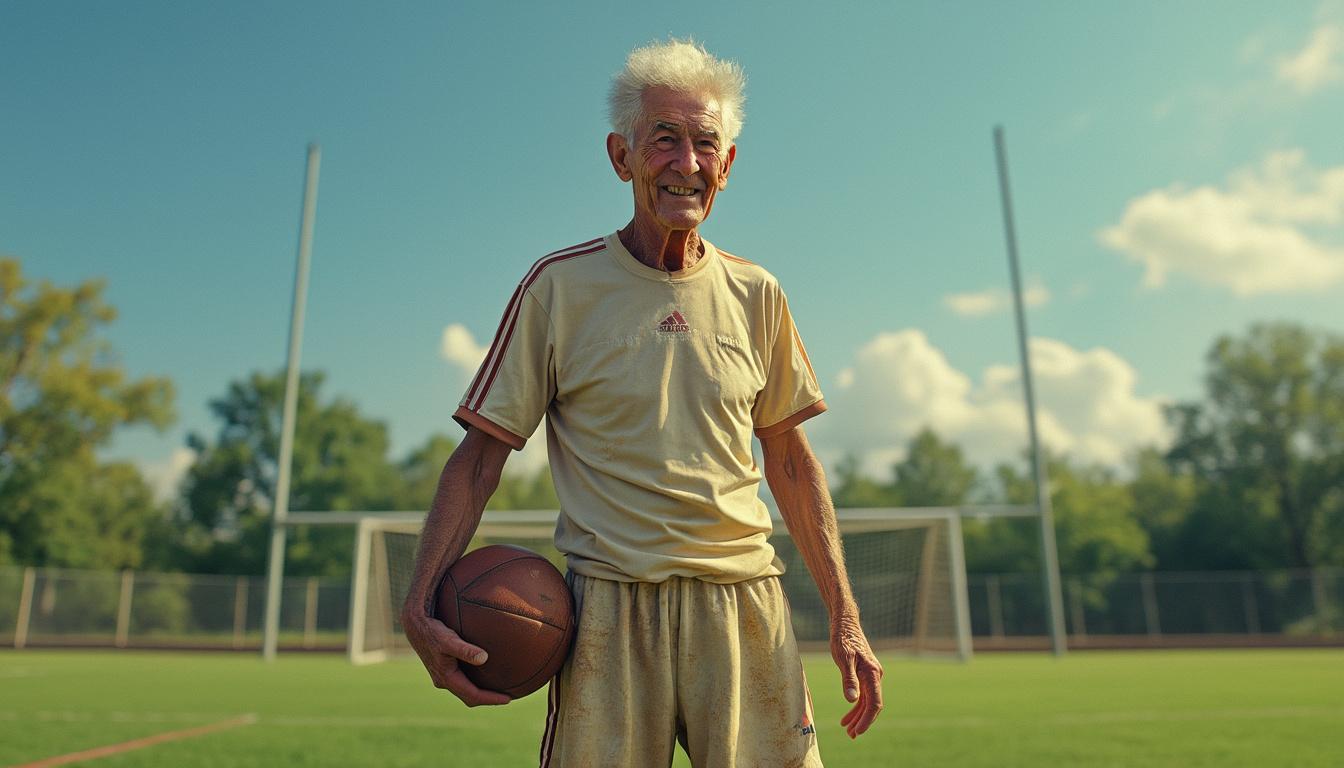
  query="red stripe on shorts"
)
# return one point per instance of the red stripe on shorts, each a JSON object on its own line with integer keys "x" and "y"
{"x": 552, "y": 714}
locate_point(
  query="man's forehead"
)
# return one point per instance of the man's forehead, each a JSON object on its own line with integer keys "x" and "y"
{"x": 675, "y": 110}
{"x": 698, "y": 127}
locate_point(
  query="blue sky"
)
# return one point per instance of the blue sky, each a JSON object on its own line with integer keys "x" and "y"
{"x": 1176, "y": 169}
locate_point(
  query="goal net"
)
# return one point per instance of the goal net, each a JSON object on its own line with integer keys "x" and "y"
{"x": 906, "y": 567}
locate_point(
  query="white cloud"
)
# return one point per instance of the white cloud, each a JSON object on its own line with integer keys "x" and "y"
{"x": 1248, "y": 238}
{"x": 1317, "y": 64}
{"x": 900, "y": 383}
{"x": 993, "y": 300}
{"x": 458, "y": 346}
{"x": 166, "y": 474}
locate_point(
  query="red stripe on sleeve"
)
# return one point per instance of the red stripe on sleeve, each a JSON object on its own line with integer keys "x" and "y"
{"x": 509, "y": 309}
{"x": 497, "y": 360}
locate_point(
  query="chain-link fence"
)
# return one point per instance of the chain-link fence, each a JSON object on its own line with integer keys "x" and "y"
{"x": 66, "y": 607}
{"x": 1204, "y": 608}
{"x": 63, "y": 607}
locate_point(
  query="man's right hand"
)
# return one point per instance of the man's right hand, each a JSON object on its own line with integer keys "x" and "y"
{"x": 442, "y": 651}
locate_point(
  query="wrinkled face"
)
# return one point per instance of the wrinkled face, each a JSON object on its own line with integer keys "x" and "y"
{"x": 678, "y": 161}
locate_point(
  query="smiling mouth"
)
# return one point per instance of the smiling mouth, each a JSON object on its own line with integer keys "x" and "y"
{"x": 680, "y": 191}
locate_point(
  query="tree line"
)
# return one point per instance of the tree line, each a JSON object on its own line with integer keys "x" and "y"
{"x": 1253, "y": 479}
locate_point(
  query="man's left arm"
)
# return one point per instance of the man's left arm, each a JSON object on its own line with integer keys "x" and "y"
{"x": 798, "y": 483}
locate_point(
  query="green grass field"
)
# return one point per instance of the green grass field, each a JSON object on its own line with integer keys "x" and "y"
{"x": 1180, "y": 708}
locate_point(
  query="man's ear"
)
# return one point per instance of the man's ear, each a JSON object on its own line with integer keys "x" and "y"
{"x": 617, "y": 152}
{"x": 727, "y": 165}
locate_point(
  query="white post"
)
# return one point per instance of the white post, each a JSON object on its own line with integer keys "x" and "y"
{"x": 1321, "y": 601}
{"x": 124, "y": 608}
{"x": 310, "y": 614}
{"x": 359, "y": 592}
{"x": 239, "y": 610}
{"x": 1076, "y": 608}
{"x": 275, "y": 564}
{"x": 1249, "y": 605}
{"x": 1150, "y": 614}
{"x": 960, "y": 592}
{"x": 995, "y": 605}
{"x": 25, "y": 607}
{"x": 1054, "y": 599}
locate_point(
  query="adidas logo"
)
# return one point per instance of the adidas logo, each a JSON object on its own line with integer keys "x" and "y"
{"x": 674, "y": 323}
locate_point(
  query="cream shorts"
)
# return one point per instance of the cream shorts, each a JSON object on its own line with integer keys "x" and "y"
{"x": 712, "y": 666}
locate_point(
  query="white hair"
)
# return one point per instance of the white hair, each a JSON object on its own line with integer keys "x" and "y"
{"x": 682, "y": 65}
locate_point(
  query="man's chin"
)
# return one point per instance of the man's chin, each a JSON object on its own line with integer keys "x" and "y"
{"x": 682, "y": 219}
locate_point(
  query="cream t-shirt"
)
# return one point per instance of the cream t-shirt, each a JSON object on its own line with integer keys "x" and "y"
{"x": 653, "y": 384}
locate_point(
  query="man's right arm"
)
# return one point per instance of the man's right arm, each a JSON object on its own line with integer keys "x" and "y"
{"x": 465, "y": 485}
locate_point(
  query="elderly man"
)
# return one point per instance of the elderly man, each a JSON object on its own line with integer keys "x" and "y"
{"x": 655, "y": 357}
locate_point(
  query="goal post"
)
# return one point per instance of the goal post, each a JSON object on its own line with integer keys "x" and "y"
{"x": 906, "y": 567}
{"x": 378, "y": 584}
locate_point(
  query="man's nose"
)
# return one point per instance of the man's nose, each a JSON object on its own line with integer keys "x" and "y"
{"x": 685, "y": 161}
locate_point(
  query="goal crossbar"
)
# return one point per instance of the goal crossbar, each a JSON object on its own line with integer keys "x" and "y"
{"x": 549, "y": 515}
{"x": 908, "y": 565}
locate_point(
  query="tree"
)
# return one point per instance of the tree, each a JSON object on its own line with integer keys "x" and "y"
{"x": 525, "y": 491}
{"x": 1164, "y": 501}
{"x": 63, "y": 393}
{"x": 339, "y": 463}
{"x": 1269, "y": 441}
{"x": 932, "y": 474}
{"x": 1095, "y": 528}
{"x": 420, "y": 472}
{"x": 851, "y": 488}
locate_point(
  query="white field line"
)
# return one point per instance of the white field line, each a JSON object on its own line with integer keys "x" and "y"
{"x": 141, "y": 743}
{"x": 890, "y": 720}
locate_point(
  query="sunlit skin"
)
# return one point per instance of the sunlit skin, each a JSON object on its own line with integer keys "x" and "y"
{"x": 679, "y": 146}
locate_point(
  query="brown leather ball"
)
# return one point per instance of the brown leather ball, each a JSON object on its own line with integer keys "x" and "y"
{"x": 514, "y": 604}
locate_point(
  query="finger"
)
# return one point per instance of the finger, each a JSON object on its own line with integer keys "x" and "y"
{"x": 460, "y": 686}
{"x": 452, "y": 644}
{"x": 870, "y": 705}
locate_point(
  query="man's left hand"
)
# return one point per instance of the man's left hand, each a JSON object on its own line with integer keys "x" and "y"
{"x": 860, "y": 673}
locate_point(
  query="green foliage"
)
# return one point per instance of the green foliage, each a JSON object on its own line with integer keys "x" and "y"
{"x": 420, "y": 472}
{"x": 851, "y": 488}
{"x": 1096, "y": 530}
{"x": 1268, "y": 444}
{"x": 62, "y": 395}
{"x": 339, "y": 463}
{"x": 523, "y": 491}
{"x": 161, "y": 607}
{"x": 932, "y": 474}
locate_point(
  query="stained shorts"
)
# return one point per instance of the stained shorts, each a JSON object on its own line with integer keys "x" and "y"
{"x": 712, "y": 666}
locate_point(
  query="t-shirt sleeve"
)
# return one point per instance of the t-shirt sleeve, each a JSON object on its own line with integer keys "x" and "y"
{"x": 791, "y": 394}
{"x": 516, "y": 382}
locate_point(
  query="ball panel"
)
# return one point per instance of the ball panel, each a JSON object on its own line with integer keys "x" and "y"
{"x": 477, "y": 562}
{"x": 520, "y": 648}
{"x": 445, "y": 603}
{"x": 525, "y": 587}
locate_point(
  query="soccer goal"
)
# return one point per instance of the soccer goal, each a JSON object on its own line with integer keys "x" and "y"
{"x": 906, "y": 567}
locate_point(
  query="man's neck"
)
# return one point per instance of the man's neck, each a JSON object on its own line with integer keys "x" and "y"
{"x": 669, "y": 250}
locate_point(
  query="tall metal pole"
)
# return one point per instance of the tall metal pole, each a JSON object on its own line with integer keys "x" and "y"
{"x": 275, "y": 563}
{"x": 1049, "y": 553}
